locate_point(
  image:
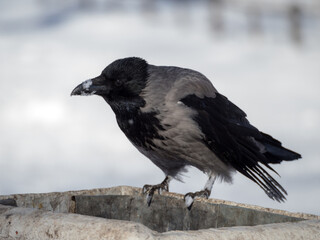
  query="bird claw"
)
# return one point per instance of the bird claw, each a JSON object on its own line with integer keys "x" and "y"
{"x": 188, "y": 200}
{"x": 189, "y": 197}
{"x": 146, "y": 188}
{"x": 150, "y": 189}
{"x": 149, "y": 199}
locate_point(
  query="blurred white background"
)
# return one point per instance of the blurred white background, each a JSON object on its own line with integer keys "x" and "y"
{"x": 263, "y": 55}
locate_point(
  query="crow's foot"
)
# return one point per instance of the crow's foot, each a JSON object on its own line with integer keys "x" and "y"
{"x": 189, "y": 197}
{"x": 150, "y": 189}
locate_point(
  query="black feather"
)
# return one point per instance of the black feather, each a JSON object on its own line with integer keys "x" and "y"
{"x": 128, "y": 77}
{"x": 237, "y": 143}
{"x": 141, "y": 128}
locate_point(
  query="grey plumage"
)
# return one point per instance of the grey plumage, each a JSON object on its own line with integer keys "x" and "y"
{"x": 182, "y": 142}
{"x": 176, "y": 118}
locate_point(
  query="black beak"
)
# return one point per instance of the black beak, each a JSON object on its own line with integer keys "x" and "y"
{"x": 92, "y": 86}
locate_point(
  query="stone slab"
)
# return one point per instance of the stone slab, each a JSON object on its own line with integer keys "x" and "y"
{"x": 169, "y": 213}
{"x": 164, "y": 213}
{"x": 62, "y": 201}
{"x": 34, "y": 224}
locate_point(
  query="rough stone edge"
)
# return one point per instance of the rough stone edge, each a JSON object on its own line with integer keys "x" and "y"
{"x": 62, "y": 201}
{"x": 309, "y": 229}
{"x": 66, "y": 205}
{"x": 254, "y": 207}
{"x": 26, "y": 223}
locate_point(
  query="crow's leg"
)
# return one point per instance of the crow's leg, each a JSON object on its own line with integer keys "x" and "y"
{"x": 150, "y": 189}
{"x": 205, "y": 193}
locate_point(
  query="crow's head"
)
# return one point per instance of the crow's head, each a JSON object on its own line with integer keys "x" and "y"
{"x": 123, "y": 79}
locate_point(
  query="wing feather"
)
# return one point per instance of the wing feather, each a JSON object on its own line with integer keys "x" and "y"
{"x": 236, "y": 142}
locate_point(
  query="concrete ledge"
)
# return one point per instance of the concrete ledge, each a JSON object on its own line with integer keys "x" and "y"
{"x": 51, "y": 216}
{"x": 26, "y": 223}
{"x": 170, "y": 213}
{"x": 62, "y": 201}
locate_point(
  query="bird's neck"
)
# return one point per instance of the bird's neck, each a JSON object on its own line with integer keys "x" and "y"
{"x": 126, "y": 108}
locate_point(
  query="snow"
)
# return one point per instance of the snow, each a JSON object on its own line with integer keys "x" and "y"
{"x": 87, "y": 84}
{"x": 83, "y": 93}
{"x": 188, "y": 200}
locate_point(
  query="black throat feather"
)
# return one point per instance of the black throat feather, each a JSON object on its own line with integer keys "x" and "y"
{"x": 141, "y": 128}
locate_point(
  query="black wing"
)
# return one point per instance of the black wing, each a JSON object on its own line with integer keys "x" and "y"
{"x": 237, "y": 143}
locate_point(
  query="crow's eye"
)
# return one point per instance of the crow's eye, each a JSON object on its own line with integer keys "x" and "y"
{"x": 118, "y": 82}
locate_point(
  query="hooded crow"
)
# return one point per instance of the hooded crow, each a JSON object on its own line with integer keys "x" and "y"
{"x": 176, "y": 118}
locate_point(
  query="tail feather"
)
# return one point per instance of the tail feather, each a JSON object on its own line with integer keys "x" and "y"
{"x": 267, "y": 151}
{"x": 275, "y": 153}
